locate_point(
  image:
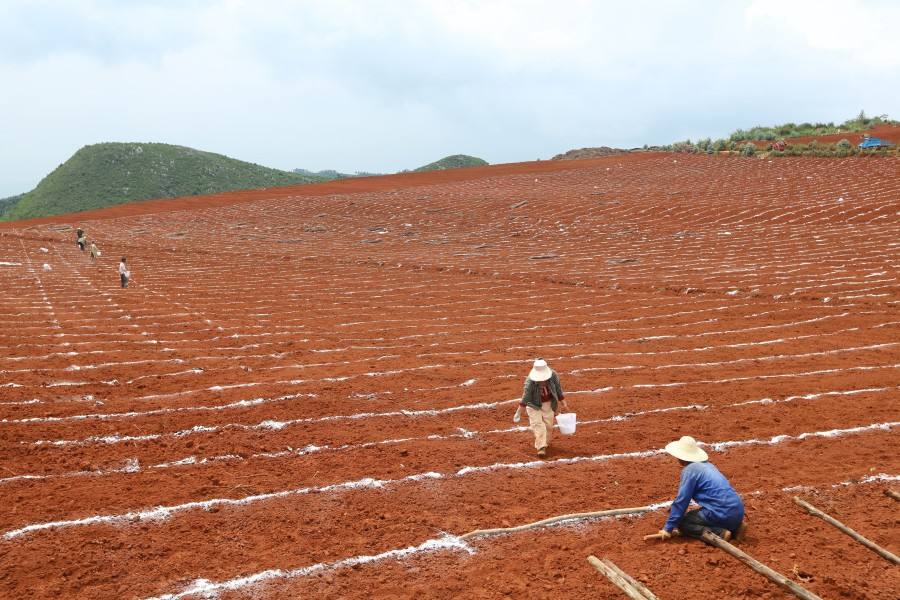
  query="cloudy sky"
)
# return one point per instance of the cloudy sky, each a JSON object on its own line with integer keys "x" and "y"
{"x": 383, "y": 85}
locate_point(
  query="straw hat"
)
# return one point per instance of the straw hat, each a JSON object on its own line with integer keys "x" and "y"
{"x": 540, "y": 371}
{"x": 686, "y": 449}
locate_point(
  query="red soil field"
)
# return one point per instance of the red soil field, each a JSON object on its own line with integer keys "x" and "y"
{"x": 308, "y": 391}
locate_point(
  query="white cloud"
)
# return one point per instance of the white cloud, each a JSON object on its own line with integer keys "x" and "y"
{"x": 381, "y": 86}
{"x": 864, "y": 32}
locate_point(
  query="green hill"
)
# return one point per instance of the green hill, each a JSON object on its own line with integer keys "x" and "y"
{"x": 456, "y": 161}
{"x": 7, "y": 204}
{"x": 331, "y": 174}
{"x": 103, "y": 175}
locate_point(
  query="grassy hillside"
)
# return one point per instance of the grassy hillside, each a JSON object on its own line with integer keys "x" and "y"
{"x": 456, "y": 161}
{"x": 6, "y": 204}
{"x": 793, "y": 130}
{"x": 115, "y": 173}
{"x": 742, "y": 139}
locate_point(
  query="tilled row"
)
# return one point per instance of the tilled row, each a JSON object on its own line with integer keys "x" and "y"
{"x": 330, "y": 525}
{"x": 102, "y": 381}
{"x": 551, "y": 561}
{"x": 288, "y": 465}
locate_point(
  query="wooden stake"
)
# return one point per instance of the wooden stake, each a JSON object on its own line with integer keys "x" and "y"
{"x": 630, "y": 591}
{"x": 757, "y": 566}
{"x": 551, "y": 520}
{"x": 634, "y": 582}
{"x": 892, "y": 493}
{"x": 865, "y": 542}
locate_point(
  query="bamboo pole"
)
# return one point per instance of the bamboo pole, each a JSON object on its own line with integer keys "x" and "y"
{"x": 551, "y": 520}
{"x": 614, "y": 578}
{"x": 759, "y": 567}
{"x": 634, "y": 582}
{"x": 865, "y": 542}
{"x": 892, "y": 493}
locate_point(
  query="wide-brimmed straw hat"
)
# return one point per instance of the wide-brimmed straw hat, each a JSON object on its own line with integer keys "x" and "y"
{"x": 540, "y": 371}
{"x": 686, "y": 449}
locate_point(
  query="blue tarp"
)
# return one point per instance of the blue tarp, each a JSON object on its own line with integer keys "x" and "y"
{"x": 874, "y": 143}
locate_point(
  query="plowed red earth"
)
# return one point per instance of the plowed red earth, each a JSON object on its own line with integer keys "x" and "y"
{"x": 308, "y": 391}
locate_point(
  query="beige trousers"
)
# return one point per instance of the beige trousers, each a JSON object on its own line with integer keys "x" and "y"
{"x": 541, "y": 422}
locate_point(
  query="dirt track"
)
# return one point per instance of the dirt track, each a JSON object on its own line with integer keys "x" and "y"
{"x": 302, "y": 376}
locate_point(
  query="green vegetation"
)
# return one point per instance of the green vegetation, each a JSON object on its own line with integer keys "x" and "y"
{"x": 103, "y": 175}
{"x": 792, "y": 130}
{"x": 7, "y": 203}
{"x": 840, "y": 150}
{"x": 456, "y": 161}
{"x": 331, "y": 174}
{"x": 739, "y": 141}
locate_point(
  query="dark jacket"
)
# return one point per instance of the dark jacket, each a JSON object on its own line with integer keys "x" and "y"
{"x": 531, "y": 396}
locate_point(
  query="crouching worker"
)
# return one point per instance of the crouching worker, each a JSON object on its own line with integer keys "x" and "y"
{"x": 721, "y": 510}
{"x": 541, "y": 400}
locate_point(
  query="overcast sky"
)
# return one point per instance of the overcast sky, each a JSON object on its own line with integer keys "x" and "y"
{"x": 383, "y": 85}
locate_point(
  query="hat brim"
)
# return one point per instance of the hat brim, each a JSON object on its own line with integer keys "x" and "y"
{"x": 540, "y": 375}
{"x": 688, "y": 454}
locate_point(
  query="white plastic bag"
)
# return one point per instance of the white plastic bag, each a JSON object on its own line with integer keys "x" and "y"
{"x": 566, "y": 422}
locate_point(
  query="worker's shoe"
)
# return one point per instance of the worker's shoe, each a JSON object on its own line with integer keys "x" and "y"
{"x": 542, "y": 452}
{"x": 741, "y": 532}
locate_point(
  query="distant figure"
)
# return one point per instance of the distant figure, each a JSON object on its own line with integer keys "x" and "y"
{"x": 721, "y": 509}
{"x": 540, "y": 399}
{"x": 81, "y": 240}
{"x": 124, "y": 273}
{"x": 79, "y": 233}
{"x": 95, "y": 252}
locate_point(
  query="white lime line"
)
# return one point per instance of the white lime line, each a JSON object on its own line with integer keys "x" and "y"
{"x": 164, "y": 512}
{"x": 209, "y": 589}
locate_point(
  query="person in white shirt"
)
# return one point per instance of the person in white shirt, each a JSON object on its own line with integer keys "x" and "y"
{"x": 124, "y": 273}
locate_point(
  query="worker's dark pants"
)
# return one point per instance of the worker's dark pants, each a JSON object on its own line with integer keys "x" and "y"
{"x": 693, "y": 525}
{"x": 124, "y": 280}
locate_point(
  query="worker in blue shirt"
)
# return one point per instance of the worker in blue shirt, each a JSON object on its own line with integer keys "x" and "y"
{"x": 721, "y": 510}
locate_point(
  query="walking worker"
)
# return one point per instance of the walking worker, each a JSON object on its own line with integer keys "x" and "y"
{"x": 95, "y": 252}
{"x": 124, "y": 273}
{"x": 541, "y": 399}
{"x": 721, "y": 510}
{"x": 80, "y": 240}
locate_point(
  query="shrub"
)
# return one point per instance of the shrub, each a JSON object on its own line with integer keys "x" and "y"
{"x": 748, "y": 150}
{"x": 844, "y": 144}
